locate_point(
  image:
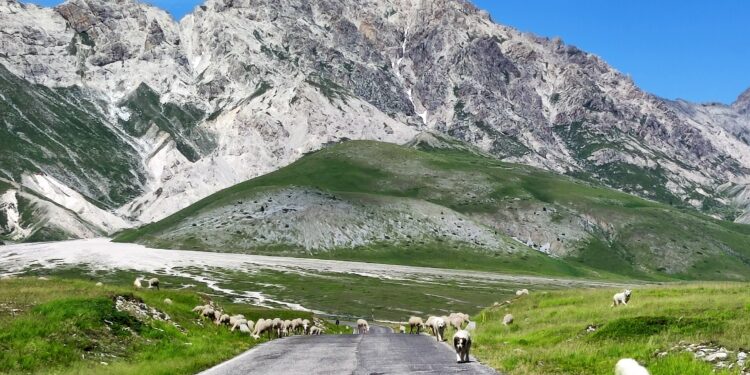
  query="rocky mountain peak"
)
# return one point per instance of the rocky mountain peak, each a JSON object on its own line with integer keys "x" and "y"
{"x": 742, "y": 104}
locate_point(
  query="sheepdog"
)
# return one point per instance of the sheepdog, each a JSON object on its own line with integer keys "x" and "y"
{"x": 462, "y": 344}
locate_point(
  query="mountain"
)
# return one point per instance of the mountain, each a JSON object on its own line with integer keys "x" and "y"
{"x": 439, "y": 198}
{"x": 240, "y": 88}
{"x": 742, "y": 105}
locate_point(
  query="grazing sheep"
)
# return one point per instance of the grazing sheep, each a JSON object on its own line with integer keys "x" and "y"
{"x": 508, "y": 319}
{"x": 223, "y": 319}
{"x": 245, "y": 328}
{"x": 234, "y": 319}
{"x": 437, "y": 324}
{"x": 362, "y": 326}
{"x": 462, "y": 344}
{"x": 263, "y": 326}
{"x": 137, "y": 282}
{"x": 415, "y": 322}
{"x": 153, "y": 283}
{"x": 628, "y": 366}
{"x": 296, "y": 325}
{"x": 401, "y": 329}
{"x": 277, "y": 323}
{"x": 522, "y": 292}
{"x": 621, "y": 298}
{"x": 208, "y": 312}
{"x": 286, "y": 328}
{"x": 315, "y": 330}
{"x": 199, "y": 308}
{"x": 99, "y": 284}
{"x": 305, "y": 326}
{"x": 167, "y": 301}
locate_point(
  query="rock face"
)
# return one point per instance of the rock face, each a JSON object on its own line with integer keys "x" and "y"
{"x": 239, "y": 88}
{"x": 742, "y": 105}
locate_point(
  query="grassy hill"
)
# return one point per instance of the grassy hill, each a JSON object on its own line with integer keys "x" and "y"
{"x": 549, "y": 333}
{"x": 442, "y": 203}
{"x": 68, "y": 326}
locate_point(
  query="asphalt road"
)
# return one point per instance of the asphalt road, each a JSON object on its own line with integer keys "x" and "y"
{"x": 369, "y": 354}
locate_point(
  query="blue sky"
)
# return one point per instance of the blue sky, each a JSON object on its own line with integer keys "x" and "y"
{"x": 696, "y": 50}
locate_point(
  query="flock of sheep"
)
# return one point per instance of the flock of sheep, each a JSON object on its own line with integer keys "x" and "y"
{"x": 271, "y": 327}
{"x": 435, "y": 324}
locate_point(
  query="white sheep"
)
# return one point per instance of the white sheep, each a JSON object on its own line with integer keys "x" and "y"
{"x": 208, "y": 312}
{"x": 437, "y": 324}
{"x": 462, "y": 344}
{"x": 415, "y": 322}
{"x": 137, "y": 282}
{"x": 315, "y": 330}
{"x": 457, "y": 320}
{"x": 305, "y": 326}
{"x": 628, "y": 366}
{"x": 234, "y": 319}
{"x": 286, "y": 328}
{"x": 99, "y": 284}
{"x": 621, "y": 298}
{"x": 263, "y": 326}
{"x": 296, "y": 325}
{"x": 223, "y": 319}
{"x": 167, "y": 301}
{"x": 153, "y": 283}
{"x": 508, "y": 319}
{"x": 277, "y": 324}
{"x": 362, "y": 326}
{"x": 401, "y": 329}
{"x": 522, "y": 292}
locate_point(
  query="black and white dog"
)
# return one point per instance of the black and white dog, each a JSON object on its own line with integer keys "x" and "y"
{"x": 462, "y": 344}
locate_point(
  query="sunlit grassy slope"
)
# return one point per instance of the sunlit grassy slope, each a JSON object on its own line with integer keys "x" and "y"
{"x": 67, "y": 326}
{"x": 549, "y": 334}
{"x": 585, "y": 226}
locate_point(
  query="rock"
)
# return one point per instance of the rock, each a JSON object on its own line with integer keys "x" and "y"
{"x": 718, "y": 356}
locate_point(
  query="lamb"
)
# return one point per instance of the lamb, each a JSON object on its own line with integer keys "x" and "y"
{"x": 305, "y": 326}
{"x": 315, "y": 330}
{"x": 415, "y": 322}
{"x": 628, "y": 366}
{"x": 522, "y": 292}
{"x": 153, "y": 283}
{"x": 508, "y": 319}
{"x": 137, "y": 282}
{"x": 362, "y": 326}
{"x": 99, "y": 284}
{"x": 401, "y": 329}
{"x": 438, "y": 327}
{"x": 462, "y": 344}
{"x": 621, "y": 298}
{"x": 167, "y": 301}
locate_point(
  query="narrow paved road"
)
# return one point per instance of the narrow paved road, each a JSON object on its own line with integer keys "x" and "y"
{"x": 373, "y": 353}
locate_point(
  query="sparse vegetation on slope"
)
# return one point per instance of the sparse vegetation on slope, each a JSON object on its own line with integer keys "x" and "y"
{"x": 549, "y": 335}
{"x": 446, "y": 196}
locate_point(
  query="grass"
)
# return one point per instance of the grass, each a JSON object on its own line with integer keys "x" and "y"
{"x": 549, "y": 334}
{"x": 68, "y": 326}
{"x": 619, "y": 233}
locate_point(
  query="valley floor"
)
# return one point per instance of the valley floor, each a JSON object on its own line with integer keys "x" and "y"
{"x": 389, "y": 292}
